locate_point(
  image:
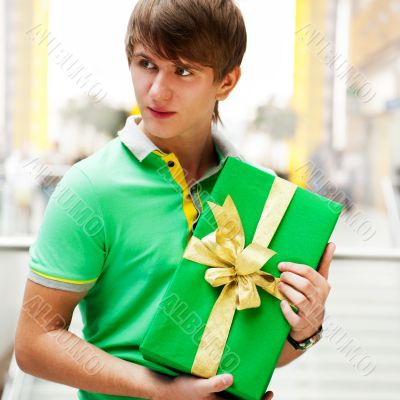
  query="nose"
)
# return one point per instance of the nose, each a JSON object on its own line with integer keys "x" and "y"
{"x": 160, "y": 90}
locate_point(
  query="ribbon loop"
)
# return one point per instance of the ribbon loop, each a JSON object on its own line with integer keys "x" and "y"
{"x": 252, "y": 259}
{"x": 220, "y": 276}
{"x": 248, "y": 296}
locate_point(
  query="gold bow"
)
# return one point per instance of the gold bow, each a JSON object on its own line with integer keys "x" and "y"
{"x": 236, "y": 267}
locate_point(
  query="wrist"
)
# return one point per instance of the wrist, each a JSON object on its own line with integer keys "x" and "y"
{"x": 300, "y": 336}
{"x": 304, "y": 334}
{"x": 301, "y": 343}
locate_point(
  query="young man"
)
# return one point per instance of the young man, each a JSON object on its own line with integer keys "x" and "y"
{"x": 117, "y": 225}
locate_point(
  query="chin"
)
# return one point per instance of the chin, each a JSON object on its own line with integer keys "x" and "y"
{"x": 161, "y": 129}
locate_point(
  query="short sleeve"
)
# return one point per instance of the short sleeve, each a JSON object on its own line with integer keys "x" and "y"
{"x": 69, "y": 252}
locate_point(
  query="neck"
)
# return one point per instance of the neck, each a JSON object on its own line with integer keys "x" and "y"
{"x": 195, "y": 152}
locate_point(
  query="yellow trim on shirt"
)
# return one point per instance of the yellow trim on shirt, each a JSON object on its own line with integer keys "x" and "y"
{"x": 54, "y": 278}
{"x": 178, "y": 176}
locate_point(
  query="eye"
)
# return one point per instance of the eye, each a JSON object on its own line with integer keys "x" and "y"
{"x": 180, "y": 69}
{"x": 143, "y": 63}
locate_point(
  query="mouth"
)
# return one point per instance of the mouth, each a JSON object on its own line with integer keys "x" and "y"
{"x": 161, "y": 114}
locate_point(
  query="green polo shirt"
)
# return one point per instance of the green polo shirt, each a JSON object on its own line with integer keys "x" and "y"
{"x": 116, "y": 226}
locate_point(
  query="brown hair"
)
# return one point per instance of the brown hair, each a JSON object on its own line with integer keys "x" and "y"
{"x": 211, "y": 33}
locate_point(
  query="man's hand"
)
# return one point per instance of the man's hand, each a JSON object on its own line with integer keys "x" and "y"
{"x": 185, "y": 387}
{"x": 308, "y": 290}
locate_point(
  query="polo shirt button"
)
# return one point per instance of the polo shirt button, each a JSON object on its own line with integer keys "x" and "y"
{"x": 170, "y": 164}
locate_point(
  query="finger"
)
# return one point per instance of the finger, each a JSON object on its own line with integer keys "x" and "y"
{"x": 303, "y": 270}
{"x": 216, "y": 383}
{"x": 326, "y": 259}
{"x": 295, "y": 297}
{"x": 291, "y": 317}
{"x": 302, "y": 285}
{"x": 268, "y": 396}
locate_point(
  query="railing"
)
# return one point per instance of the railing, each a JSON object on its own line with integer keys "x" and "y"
{"x": 22, "y": 243}
{"x": 391, "y": 194}
{"x": 17, "y": 243}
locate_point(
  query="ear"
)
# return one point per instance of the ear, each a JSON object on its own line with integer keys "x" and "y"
{"x": 228, "y": 83}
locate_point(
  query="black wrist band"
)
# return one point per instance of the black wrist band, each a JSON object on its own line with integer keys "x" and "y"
{"x": 306, "y": 343}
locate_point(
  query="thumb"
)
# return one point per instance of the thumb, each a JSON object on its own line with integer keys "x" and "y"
{"x": 216, "y": 383}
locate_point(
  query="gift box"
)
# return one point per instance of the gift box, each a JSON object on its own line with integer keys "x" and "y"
{"x": 221, "y": 312}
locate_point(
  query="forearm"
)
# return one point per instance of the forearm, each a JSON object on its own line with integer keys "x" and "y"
{"x": 62, "y": 357}
{"x": 288, "y": 354}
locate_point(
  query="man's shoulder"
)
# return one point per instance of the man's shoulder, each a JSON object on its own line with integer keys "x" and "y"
{"x": 97, "y": 171}
{"x": 105, "y": 163}
{"x": 100, "y": 159}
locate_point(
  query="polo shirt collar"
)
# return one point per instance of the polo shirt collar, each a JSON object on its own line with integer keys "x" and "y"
{"x": 141, "y": 146}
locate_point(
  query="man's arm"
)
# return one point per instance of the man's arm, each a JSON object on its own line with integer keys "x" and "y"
{"x": 288, "y": 355}
{"x": 308, "y": 290}
{"x": 45, "y": 348}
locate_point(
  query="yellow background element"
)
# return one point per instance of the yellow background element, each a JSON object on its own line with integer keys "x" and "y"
{"x": 308, "y": 96}
{"x": 31, "y": 76}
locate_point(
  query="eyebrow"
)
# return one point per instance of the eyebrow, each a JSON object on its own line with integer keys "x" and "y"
{"x": 182, "y": 64}
{"x": 141, "y": 54}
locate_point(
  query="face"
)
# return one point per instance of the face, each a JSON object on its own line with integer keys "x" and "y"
{"x": 183, "y": 94}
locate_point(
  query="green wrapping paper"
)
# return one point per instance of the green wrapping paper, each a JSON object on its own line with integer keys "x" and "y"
{"x": 256, "y": 335}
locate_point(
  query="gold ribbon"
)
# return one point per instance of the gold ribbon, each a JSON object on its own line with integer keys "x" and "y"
{"x": 236, "y": 267}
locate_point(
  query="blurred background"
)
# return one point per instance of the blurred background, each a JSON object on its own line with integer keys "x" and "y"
{"x": 318, "y": 102}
